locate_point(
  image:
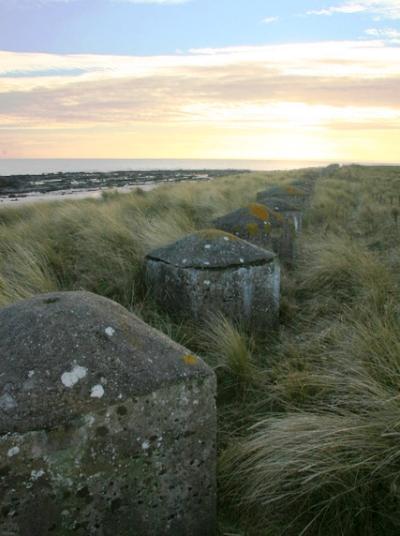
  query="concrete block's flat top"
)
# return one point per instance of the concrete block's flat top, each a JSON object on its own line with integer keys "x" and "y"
{"x": 211, "y": 249}
{"x": 280, "y": 204}
{"x": 284, "y": 191}
{"x": 65, "y": 353}
{"x": 304, "y": 184}
{"x": 252, "y": 213}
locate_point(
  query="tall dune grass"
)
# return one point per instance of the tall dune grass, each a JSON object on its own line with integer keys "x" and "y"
{"x": 326, "y": 460}
{"x": 309, "y": 421}
{"x": 230, "y": 351}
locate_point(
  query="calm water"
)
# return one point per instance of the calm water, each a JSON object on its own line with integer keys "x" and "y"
{"x": 37, "y": 166}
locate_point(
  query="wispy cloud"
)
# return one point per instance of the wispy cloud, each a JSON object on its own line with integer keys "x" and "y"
{"x": 345, "y": 8}
{"x": 46, "y": 89}
{"x": 387, "y": 9}
{"x": 270, "y": 20}
{"x": 253, "y": 93}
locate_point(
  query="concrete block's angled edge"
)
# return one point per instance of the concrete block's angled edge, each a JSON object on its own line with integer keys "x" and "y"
{"x": 107, "y": 426}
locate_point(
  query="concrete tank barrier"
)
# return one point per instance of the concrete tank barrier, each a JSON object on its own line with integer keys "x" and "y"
{"x": 307, "y": 185}
{"x": 263, "y": 227}
{"x": 299, "y": 198}
{"x": 213, "y": 271}
{"x": 107, "y": 427}
{"x": 287, "y": 207}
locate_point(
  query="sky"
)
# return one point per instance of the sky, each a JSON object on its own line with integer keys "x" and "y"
{"x": 253, "y": 79}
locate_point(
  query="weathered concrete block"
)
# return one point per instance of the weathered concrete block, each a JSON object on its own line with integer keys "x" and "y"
{"x": 330, "y": 170}
{"x": 287, "y": 207}
{"x": 107, "y": 427}
{"x": 263, "y": 227}
{"x": 212, "y": 271}
{"x": 297, "y": 197}
{"x": 306, "y": 184}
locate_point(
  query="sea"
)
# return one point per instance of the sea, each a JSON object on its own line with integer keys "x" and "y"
{"x": 25, "y": 166}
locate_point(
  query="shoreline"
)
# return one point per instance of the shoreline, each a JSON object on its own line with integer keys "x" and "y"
{"x": 70, "y": 195}
{"x": 13, "y": 167}
{"x": 28, "y": 188}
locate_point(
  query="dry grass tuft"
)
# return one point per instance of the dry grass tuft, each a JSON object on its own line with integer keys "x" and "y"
{"x": 230, "y": 351}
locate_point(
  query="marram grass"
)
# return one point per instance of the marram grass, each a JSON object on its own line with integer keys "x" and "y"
{"x": 309, "y": 420}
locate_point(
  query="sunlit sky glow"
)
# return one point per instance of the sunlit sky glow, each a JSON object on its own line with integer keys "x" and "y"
{"x": 304, "y": 79}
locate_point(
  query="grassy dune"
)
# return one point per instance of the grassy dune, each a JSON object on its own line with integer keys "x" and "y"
{"x": 309, "y": 421}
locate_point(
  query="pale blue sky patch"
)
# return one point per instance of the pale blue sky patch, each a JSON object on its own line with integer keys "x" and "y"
{"x": 148, "y": 27}
{"x": 43, "y": 73}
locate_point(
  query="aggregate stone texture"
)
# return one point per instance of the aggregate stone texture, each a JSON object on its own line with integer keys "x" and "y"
{"x": 107, "y": 427}
{"x": 213, "y": 271}
{"x": 263, "y": 227}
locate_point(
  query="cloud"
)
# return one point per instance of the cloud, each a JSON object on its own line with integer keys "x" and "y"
{"x": 386, "y": 9}
{"x": 302, "y": 89}
{"x": 269, "y": 20}
{"x": 388, "y": 34}
{"x": 346, "y": 8}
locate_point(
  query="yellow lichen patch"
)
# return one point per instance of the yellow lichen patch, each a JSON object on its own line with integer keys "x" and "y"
{"x": 259, "y": 211}
{"x": 252, "y": 229}
{"x": 274, "y": 216}
{"x": 190, "y": 359}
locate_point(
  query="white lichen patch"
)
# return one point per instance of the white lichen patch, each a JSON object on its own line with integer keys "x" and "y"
{"x": 7, "y": 402}
{"x": 110, "y": 332}
{"x": 145, "y": 445}
{"x": 69, "y": 379}
{"x": 89, "y": 420}
{"x": 35, "y": 475}
{"x": 97, "y": 391}
{"x": 13, "y": 451}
